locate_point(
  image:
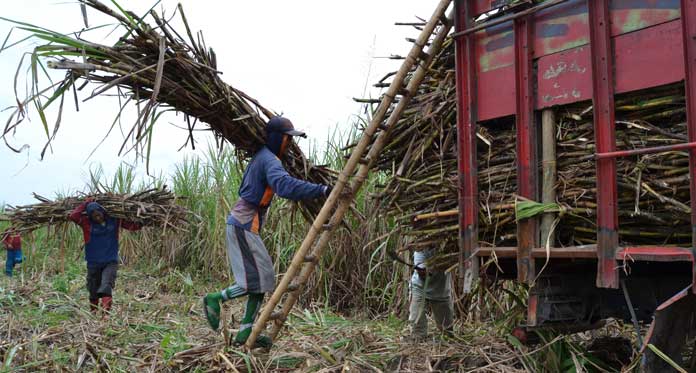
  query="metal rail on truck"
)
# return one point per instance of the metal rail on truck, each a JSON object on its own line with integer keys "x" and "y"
{"x": 475, "y": 103}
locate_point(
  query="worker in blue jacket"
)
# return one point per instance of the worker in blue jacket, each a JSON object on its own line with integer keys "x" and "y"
{"x": 101, "y": 233}
{"x": 248, "y": 258}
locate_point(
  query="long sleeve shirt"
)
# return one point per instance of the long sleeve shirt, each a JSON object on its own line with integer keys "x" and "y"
{"x": 264, "y": 177}
{"x": 12, "y": 241}
{"x": 101, "y": 240}
{"x": 438, "y": 285}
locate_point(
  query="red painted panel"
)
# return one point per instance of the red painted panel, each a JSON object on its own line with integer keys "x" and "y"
{"x": 649, "y": 58}
{"x": 565, "y": 77}
{"x": 483, "y": 6}
{"x": 496, "y": 92}
{"x": 561, "y": 27}
{"x": 565, "y": 26}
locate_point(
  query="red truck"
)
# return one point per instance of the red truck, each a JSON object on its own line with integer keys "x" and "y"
{"x": 557, "y": 53}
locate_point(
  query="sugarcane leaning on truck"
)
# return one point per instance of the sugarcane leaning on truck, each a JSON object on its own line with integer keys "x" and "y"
{"x": 248, "y": 258}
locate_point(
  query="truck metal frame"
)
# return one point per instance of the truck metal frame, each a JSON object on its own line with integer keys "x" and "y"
{"x": 559, "y": 52}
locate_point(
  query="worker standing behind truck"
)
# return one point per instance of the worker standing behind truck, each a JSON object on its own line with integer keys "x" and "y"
{"x": 429, "y": 289}
{"x": 248, "y": 258}
{"x": 101, "y": 251}
{"x": 13, "y": 245}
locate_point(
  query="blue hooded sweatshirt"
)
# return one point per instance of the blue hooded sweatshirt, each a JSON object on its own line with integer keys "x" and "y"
{"x": 264, "y": 177}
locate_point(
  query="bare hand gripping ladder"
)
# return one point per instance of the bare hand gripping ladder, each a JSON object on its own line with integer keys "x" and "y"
{"x": 307, "y": 256}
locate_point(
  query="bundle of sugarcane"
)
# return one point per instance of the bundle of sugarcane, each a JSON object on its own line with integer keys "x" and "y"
{"x": 152, "y": 207}
{"x": 653, "y": 188}
{"x": 157, "y": 69}
{"x": 421, "y": 162}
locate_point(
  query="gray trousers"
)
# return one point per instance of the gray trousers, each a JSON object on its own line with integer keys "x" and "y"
{"x": 441, "y": 306}
{"x": 101, "y": 279}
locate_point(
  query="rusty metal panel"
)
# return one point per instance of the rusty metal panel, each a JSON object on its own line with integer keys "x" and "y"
{"x": 527, "y": 172}
{"x": 688, "y": 8}
{"x": 466, "y": 143}
{"x": 565, "y": 77}
{"x": 484, "y": 6}
{"x": 603, "y": 110}
{"x": 566, "y": 26}
{"x": 639, "y": 53}
{"x": 561, "y": 39}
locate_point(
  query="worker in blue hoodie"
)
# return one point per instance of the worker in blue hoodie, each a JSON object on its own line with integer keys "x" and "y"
{"x": 248, "y": 258}
{"x": 101, "y": 250}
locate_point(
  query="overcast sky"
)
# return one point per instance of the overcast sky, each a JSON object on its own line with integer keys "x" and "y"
{"x": 305, "y": 59}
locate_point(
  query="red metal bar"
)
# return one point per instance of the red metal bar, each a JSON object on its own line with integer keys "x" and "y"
{"x": 527, "y": 172}
{"x": 655, "y": 254}
{"x": 466, "y": 140}
{"x": 688, "y": 16}
{"x": 656, "y": 149}
{"x": 603, "y": 103}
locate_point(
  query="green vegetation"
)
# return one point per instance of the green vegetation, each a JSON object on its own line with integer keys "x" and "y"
{"x": 352, "y": 316}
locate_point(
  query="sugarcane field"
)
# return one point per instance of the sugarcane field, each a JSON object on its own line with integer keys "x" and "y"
{"x": 364, "y": 186}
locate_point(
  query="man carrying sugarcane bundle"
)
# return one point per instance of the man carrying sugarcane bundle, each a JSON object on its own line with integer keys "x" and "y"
{"x": 13, "y": 245}
{"x": 248, "y": 258}
{"x": 101, "y": 251}
{"x": 429, "y": 289}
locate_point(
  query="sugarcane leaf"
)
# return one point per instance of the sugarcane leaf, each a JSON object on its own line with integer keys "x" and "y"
{"x": 666, "y": 358}
{"x": 59, "y": 92}
{"x": 56, "y": 126}
{"x": 126, "y": 14}
{"x": 37, "y": 29}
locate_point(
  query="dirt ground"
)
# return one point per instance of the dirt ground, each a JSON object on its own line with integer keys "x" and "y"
{"x": 157, "y": 325}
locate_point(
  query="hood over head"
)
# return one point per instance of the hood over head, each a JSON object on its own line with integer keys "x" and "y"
{"x": 92, "y": 207}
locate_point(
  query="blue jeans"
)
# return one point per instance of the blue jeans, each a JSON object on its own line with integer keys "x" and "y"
{"x": 13, "y": 257}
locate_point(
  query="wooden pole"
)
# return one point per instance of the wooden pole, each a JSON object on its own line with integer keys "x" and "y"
{"x": 548, "y": 184}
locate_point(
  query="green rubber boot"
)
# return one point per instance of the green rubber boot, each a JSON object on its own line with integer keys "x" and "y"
{"x": 211, "y": 308}
{"x": 263, "y": 341}
{"x": 252, "y": 308}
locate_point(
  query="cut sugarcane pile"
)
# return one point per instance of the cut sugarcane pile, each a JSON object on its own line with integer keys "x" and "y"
{"x": 421, "y": 162}
{"x": 158, "y": 68}
{"x": 153, "y": 207}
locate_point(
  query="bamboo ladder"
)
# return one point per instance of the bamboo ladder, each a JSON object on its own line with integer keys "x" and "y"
{"x": 319, "y": 234}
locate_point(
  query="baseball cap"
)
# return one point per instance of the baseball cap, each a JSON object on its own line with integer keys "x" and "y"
{"x": 283, "y": 125}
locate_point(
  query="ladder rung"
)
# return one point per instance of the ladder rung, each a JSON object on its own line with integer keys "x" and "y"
{"x": 277, "y": 315}
{"x": 404, "y": 92}
{"x": 365, "y": 160}
{"x": 383, "y": 127}
{"x": 310, "y": 258}
{"x": 294, "y": 287}
{"x": 327, "y": 227}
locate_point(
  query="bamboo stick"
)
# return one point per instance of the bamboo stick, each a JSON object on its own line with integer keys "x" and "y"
{"x": 548, "y": 183}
